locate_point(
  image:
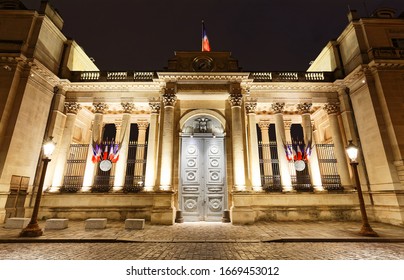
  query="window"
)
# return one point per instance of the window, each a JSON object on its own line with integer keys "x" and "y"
{"x": 398, "y": 43}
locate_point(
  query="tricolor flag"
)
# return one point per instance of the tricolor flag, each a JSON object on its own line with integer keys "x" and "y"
{"x": 205, "y": 40}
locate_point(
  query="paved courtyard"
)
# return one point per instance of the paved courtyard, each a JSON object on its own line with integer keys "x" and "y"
{"x": 203, "y": 251}
{"x": 208, "y": 241}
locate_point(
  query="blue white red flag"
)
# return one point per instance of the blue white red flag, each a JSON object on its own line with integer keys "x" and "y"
{"x": 205, "y": 40}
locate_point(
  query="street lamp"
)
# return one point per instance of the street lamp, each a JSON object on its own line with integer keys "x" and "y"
{"x": 352, "y": 152}
{"x": 33, "y": 229}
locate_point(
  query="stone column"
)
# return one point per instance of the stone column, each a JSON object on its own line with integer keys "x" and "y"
{"x": 286, "y": 181}
{"x": 288, "y": 137}
{"x": 99, "y": 109}
{"x": 255, "y": 172}
{"x": 72, "y": 109}
{"x": 237, "y": 138}
{"x": 266, "y": 151}
{"x": 141, "y": 141}
{"x": 122, "y": 138}
{"x": 315, "y": 165}
{"x": 166, "y": 168}
{"x": 333, "y": 110}
{"x": 314, "y": 168}
{"x": 152, "y": 147}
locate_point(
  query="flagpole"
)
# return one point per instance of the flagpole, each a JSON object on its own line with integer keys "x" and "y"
{"x": 202, "y": 36}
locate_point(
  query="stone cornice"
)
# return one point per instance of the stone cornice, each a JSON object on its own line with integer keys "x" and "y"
{"x": 293, "y": 86}
{"x": 113, "y": 86}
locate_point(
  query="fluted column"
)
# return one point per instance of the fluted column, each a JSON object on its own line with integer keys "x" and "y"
{"x": 122, "y": 138}
{"x": 72, "y": 109}
{"x": 286, "y": 181}
{"x": 152, "y": 146}
{"x": 237, "y": 138}
{"x": 314, "y": 168}
{"x": 266, "y": 151}
{"x": 141, "y": 141}
{"x": 250, "y": 106}
{"x": 169, "y": 100}
{"x": 333, "y": 110}
{"x": 99, "y": 109}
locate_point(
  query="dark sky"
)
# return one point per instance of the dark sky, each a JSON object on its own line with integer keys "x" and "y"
{"x": 271, "y": 35}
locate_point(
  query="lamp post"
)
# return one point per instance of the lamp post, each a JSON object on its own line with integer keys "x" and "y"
{"x": 352, "y": 152}
{"x": 33, "y": 229}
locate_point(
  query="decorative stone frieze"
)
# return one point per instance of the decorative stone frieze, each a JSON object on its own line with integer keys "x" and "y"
{"x": 251, "y": 105}
{"x": 278, "y": 107}
{"x": 100, "y": 108}
{"x": 72, "y": 107}
{"x": 332, "y": 108}
{"x": 127, "y": 107}
{"x": 304, "y": 108}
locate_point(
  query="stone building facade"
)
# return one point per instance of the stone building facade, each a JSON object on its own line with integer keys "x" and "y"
{"x": 201, "y": 138}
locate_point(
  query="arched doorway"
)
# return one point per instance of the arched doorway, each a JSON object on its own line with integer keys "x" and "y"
{"x": 202, "y": 192}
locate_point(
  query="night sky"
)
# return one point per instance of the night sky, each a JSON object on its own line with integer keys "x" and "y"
{"x": 264, "y": 35}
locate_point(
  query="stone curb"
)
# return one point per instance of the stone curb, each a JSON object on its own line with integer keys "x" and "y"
{"x": 275, "y": 240}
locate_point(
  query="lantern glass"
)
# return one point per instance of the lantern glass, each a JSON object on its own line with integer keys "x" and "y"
{"x": 352, "y": 151}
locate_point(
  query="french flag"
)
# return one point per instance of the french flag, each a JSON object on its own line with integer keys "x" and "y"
{"x": 205, "y": 40}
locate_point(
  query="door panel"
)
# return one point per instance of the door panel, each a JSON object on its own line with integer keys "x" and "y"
{"x": 202, "y": 191}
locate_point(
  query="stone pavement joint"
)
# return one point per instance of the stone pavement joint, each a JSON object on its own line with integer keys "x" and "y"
{"x": 205, "y": 232}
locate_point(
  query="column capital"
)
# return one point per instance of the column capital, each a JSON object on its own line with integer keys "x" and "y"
{"x": 236, "y": 99}
{"x": 264, "y": 124}
{"x": 155, "y": 105}
{"x": 100, "y": 107}
{"x": 72, "y": 107}
{"x": 169, "y": 97}
{"x": 287, "y": 124}
{"x": 278, "y": 107}
{"x": 304, "y": 108}
{"x": 142, "y": 124}
{"x": 127, "y": 107}
{"x": 332, "y": 108}
{"x": 250, "y": 105}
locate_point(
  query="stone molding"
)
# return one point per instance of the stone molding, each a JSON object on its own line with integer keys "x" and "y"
{"x": 72, "y": 107}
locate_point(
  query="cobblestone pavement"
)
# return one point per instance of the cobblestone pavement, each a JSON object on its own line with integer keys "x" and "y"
{"x": 200, "y": 241}
{"x": 206, "y": 232}
{"x": 202, "y": 251}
